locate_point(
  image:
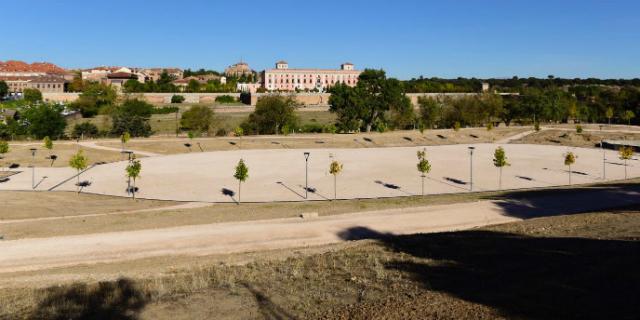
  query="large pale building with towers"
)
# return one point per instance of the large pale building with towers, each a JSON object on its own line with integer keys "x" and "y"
{"x": 283, "y": 78}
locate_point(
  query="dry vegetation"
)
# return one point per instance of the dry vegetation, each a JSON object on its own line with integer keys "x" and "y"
{"x": 19, "y": 153}
{"x": 587, "y": 139}
{"x": 360, "y": 140}
{"x": 576, "y": 266}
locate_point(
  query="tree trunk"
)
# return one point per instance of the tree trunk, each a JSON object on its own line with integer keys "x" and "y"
{"x": 133, "y": 191}
{"x": 500, "y": 180}
{"x": 239, "y": 190}
{"x": 423, "y": 184}
{"x": 569, "y": 175}
{"x": 78, "y": 184}
{"x": 335, "y": 187}
{"x": 625, "y": 169}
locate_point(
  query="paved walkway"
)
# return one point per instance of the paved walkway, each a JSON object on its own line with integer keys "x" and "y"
{"x": 223, "y": 238}
{"x": 279, "y": 174}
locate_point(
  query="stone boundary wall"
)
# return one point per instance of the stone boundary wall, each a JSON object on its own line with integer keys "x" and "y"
{"x": 307, "y": 99}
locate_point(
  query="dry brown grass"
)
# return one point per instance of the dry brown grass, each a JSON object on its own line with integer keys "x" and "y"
{"x": 30, "y": 204}
{"x": 476, "y": 274}
{"x": 308, "y": 141}
{"x": 19, "y": 153}
{"x": 587, "y": 139}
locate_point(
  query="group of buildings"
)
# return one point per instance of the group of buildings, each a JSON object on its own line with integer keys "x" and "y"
{"x": 49, "y": 78}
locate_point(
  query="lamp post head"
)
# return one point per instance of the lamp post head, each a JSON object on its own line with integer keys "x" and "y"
{"x": 33, "y": 151}
{"x": 471, "y": 149}
{"x": 306, "y": 156}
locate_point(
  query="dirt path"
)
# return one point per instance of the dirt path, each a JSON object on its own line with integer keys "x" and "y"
{"x": 93, "y": 145}
{"x": 37, "y": 254}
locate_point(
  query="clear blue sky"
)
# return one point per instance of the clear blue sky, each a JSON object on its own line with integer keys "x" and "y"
{"x": 408, "y": 38}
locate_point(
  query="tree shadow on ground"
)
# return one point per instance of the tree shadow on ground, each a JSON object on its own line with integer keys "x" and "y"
{"x": 521, "y": 276}
{"x": 541, "y": 203}
{"x": 121, "y": 299}
{"x": 267, "y": 308}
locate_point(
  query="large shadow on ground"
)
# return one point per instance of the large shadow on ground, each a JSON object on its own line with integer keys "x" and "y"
{"x": 121, "y": 299}
{"x": 549, "y": 202}
{"x": 520, "y": 276}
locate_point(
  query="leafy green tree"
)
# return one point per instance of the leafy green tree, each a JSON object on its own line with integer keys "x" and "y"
{"x": 44, "y": 120}
{"x": 569, "y": 159}
{"x": 133, "y": 172}
{"x": 625, "y": 153}
{"x": 31, "y": 95}
{"x": 628, "y": 115}
{"x": 609, "y": 114}
{"x": 85, "y": 129}
{"x": 133, "y": 117}
{"x": 79, "y": 162}
{"x": 238, "y": 132}
{"x": 367, "y": 104}
{"x": 423, "y": 166}
{"x": 95, "y": 98}
{"x": 193, "y": 86}
{"x": 430, "y": 110}
{"x": 4, "y": 89}
{"x": 241, "y": 174}
{"x": 124, "y": 138}
{"x": 335, "y": 168}
{"x": 272, "y": 113}
{"x": 48, "y": 144}
{"x": 500, "y": 161}
{"x": 198, "y": 118}
{"x": 4, "y": 148}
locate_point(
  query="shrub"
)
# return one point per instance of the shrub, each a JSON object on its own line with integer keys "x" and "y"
{"x": 165, "y": 110}
{"x": 271, "y": 115}
{"x": 86, "y": 129}
{"x": 579, "y": 129}
{"x": 133, "y": 117}
{"x": 32, "y": 95}
{"x": 222, "y": 132}
{"x": 225, "y": 99}
{"x": 330, "y": 128}
{"x": 536, "y": 126}
{"x": 177, "y": 98}
{"x": 198, "y": 118}
{"x": 312, "y": 128}
{"x": 489, "y": 126}
{"x": 456, "y": 126}
{"x": 238, "y": 132}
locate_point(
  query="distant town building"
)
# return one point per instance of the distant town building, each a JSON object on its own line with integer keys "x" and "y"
{"x": 46, "y": 83}
{"x": 13, "y": 68}
{"x": 485, "y": 87}
{"x": 284, "y": 79}
{"x": 238, "y": 70}
{"x": 154, "y": 73}
{"x": 248, "y": 87}
{"x": 44, "y": 76}
{"x": 118, "y": 79}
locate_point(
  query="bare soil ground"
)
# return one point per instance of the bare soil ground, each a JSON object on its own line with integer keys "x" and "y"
{"x": 33, "y": 205}
{"x": 27, "y": 214}
{"x": 573, "y": 266}
{"x": 19, "y": 153}
{"x": 309, "y": 141}
{"x": 586, "y": 139}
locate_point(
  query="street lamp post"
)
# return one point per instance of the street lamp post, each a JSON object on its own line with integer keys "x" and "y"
{"x": 306, "y": 175}
{"x": 33, "y": 168}
{"x": 471, "y": 168}
{"x": 604, "y": 160}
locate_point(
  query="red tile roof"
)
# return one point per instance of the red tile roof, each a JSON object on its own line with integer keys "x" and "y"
{"x": 20, "y": 66}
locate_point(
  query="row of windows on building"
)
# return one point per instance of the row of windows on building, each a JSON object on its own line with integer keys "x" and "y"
{"x": 326, "y": 81}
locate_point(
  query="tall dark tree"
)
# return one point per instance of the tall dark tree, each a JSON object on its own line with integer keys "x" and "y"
{"x": 272, "y": 114}
{"x": 44, "y": 120}
{"x": 4, "y": 89}
{"x": 132, "y": 117}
